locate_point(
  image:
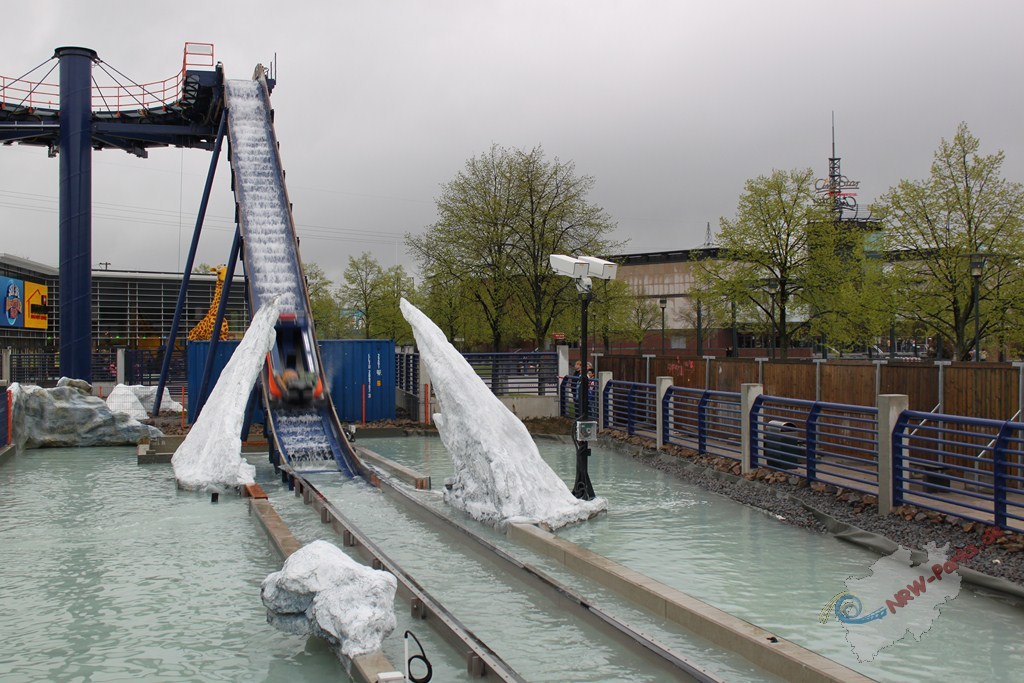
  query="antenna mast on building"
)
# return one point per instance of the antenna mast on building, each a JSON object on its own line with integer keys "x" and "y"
{"x": 707, "y": 236}
{"x": 835, "y": 176}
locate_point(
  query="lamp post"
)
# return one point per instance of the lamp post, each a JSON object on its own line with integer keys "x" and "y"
{"x": 700, "y": 331}
{"x": 735, "y": 340}
{"x": 977, "y": 266}
{"x": 662, "y": 303}
{"x": 772, "y": 286}
{"x": 581, "y": 269}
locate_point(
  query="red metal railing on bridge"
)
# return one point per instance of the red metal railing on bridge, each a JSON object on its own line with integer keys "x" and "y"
{"x": 18, "y": 93}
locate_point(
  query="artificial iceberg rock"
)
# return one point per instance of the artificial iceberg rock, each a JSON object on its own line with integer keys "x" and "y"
{"x": 321, "y": 591}
{"x": 211, "y": 454}
{"x": 68, "y": 416}
{"x": 500, "y": 476}
{"x": 147, "y": 396}
{"x": 123, "y": 400}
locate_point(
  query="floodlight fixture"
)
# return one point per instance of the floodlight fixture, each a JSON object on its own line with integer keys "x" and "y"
{"x": 569, "y": 266}
{"x": 599, "y": 268}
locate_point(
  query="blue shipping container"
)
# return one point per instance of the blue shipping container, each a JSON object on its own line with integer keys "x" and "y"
{"x": 349, "y": 366}
{"x": 197, "y": 353}
{"x": 355, "y": 367}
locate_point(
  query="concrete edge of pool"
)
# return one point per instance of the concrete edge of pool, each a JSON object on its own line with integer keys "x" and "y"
{"x": 755, "y": 644}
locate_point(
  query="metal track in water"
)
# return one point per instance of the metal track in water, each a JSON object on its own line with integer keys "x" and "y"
{"x": 541, "y": 579}
{"x": 558, "y": 592}
{"x": 481, "y": 659}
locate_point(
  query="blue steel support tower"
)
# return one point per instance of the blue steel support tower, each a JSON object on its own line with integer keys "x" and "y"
{"x": 75, "y": 211}
{"x": 187, "y": 116}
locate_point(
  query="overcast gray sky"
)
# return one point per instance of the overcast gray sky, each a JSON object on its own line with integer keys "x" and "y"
{"x": 670, "y": 106}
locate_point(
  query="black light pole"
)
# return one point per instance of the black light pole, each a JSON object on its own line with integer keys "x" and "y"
{"x": 583, "y": 488}
{"x": 700, "y": 331}
{"x": 977, "y": 265}
{"x": 735, "y": 340}
{"x": 662, "y": 303}
{"x": 772, "y": 287}
{"x": 581, "y": 269}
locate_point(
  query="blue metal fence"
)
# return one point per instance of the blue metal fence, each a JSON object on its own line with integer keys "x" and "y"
{"x": 532, "y": 374}
{"x": 35, "y": 368}
{"x": 142, "y": 366}
{"x": 569, "y": 397}
{"x": 708, "y": 419}
{"x": 971, "y": 467}
{"x": 630, "y": 407}
{"x": 407, "y": 372}
{"x": 830, "y": 442}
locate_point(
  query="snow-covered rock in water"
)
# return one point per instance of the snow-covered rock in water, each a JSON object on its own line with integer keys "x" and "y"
{"x": 123, "y": 400}
{"x": 321, "y": 591}
{"x": 500, "y": 476}
{"x": 211, "y": 454}
{"x": 147, "y": 396}
{"x": 69, "y": 415}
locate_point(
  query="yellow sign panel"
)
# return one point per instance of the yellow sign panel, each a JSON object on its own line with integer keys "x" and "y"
{"x": 37, "y": 308}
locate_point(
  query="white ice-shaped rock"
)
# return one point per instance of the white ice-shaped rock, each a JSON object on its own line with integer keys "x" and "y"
{"x": 321, "y": 591}
{"x": 500, "y": 476}
{"x": 123, "y": 400}
{"x": 147, "y": 396}
{"x": 211, "y": 454}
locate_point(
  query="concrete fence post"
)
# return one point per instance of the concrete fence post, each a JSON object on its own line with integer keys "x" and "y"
{"x": 890, "y": 407}
{"x": 707, "y": 371}
{"x": 661, "y": 385}
{"x": 817, "y": 377}
{"x": 119, "y": 375}
{"x": 563, "y": 361}
{"x": 748, "y": 394}
{"x": 5, "y": 370}
{"x": 603, "y": 378}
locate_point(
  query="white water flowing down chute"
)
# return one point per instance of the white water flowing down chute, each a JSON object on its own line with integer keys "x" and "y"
{"x": 211, "y": 454}
{"x": 500, "y": 476}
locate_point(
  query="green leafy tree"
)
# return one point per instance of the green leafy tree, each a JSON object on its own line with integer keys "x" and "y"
{"x": 644, "y": 315}
{"x": 360, "y": 292}
{"x": 611, "y": 311}
{"x": 935, "y": 228}
{"x": 394, "y": 285}
{"x": 324, "y": 303}
{"x": 705, "y": 323}
{"x": 450, "y": 304}
{"x": 499, "y": 220}
{"x": 766, "y": 254}
{"x": 849, "y": 300}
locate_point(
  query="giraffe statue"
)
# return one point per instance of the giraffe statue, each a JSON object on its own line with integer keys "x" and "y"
{"x": 203, "y": 330}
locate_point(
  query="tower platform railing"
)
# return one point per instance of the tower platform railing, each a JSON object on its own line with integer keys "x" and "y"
{"x": 21, "y": 94}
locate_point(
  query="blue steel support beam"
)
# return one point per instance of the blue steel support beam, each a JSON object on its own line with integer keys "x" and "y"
{"x": 193, "y": 248}
{"x": 75, "y": 310}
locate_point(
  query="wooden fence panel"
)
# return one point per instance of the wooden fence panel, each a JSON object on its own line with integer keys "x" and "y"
{"x": 792, "y": 379}
{"x": 919, "y": 381}
{"x": 987, "y": 390}
{"x": 848, "y": 382}
{"x": 727, "y": 374}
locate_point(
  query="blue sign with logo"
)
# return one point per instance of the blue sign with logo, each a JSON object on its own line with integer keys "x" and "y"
{"x": 14, "y": 302}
